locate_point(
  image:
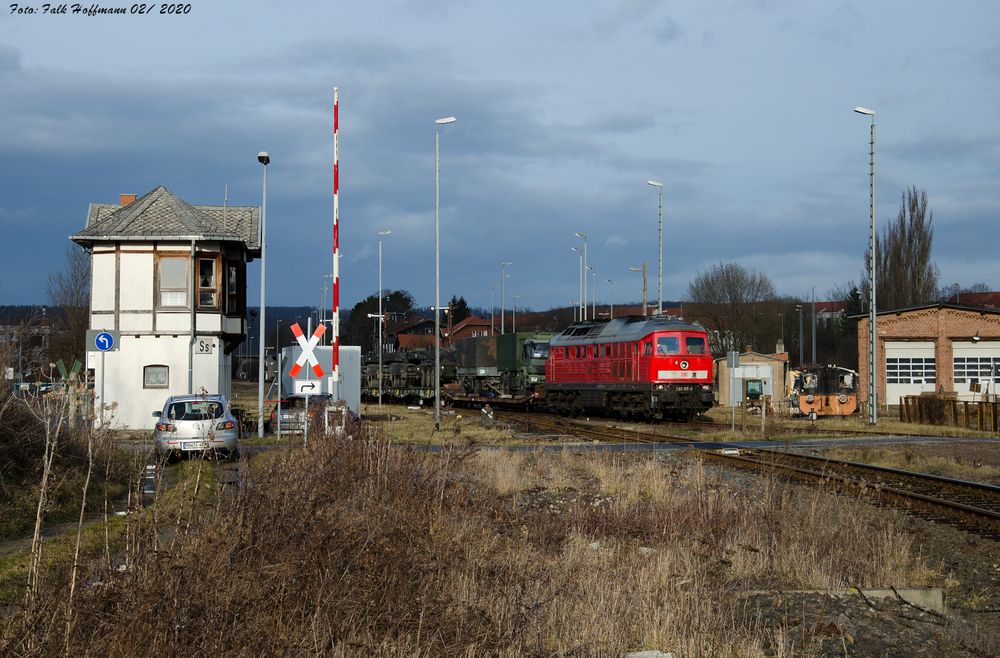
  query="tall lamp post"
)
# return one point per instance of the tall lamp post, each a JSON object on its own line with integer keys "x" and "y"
{"x": 437, "y": 267}
{"x": 381, "y": 317}
{"x": 872, "y": 379}
{"x": 503, "y": 275}
{"x": 611, "y": 306}
{"x": 659, "y": 254}
{"x": 814, "y": 325}
{"x": 264, "y": 159}
{"x": 802, "y": 350}
{"x": 493, "y": 307}
{"x": 583, "y": 295}
{"x": 593, "y": 292}
{"x": 582, "y": 300}
{"x": 643, "y": 270}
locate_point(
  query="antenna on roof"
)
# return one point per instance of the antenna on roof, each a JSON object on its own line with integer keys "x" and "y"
{"x": 225, "y": 207}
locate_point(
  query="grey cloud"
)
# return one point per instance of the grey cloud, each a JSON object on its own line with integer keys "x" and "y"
{"x": 10, "y": 58}
{"x": 668, "y": 31}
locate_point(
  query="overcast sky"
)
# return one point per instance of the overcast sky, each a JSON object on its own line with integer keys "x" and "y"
{"x": 742, "y": 108}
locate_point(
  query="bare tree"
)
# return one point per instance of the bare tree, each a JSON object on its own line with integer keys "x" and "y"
{"x": 731, "y": 300}
{"x": 69, "y": 291}
{"x": 905, "y": 274}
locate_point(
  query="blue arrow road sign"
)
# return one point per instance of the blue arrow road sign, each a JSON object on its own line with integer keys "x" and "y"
{"x": 104, "y": 341}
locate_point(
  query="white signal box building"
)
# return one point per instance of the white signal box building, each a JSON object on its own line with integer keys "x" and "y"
{"x": 170, "y": 277}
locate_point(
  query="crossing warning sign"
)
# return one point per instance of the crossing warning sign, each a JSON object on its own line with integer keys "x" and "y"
{"x": 307, "y": 355}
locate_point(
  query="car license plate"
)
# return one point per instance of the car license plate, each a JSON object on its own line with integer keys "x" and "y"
{"x": 194, "y": 445}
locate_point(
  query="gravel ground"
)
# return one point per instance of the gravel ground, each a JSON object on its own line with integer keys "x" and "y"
{"x": 969, "y": 569}
{"x": 827, "y": 625}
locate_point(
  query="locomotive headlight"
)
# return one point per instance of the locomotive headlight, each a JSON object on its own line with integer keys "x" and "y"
{"x": 659, "y": 387}
{"x": 706, "y": 387}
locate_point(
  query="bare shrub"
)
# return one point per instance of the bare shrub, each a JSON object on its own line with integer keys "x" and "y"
{"x": 353, "y": 547}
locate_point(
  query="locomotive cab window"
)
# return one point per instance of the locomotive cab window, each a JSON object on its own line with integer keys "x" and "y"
{"x": 668, "y": 345}
{"x": 647, "y": 349}
{"x": 694, "y": 344}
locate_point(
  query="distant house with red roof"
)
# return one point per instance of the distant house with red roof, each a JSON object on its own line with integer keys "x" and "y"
{"x": 471, "y": 327}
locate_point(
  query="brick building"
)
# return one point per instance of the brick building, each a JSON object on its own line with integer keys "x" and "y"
{"x": 933, "y": 347}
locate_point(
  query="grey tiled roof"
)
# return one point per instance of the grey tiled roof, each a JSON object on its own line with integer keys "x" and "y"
{"x": 161, "y": 215}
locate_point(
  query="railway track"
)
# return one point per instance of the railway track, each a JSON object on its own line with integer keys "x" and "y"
{"x": 972, "y": 506}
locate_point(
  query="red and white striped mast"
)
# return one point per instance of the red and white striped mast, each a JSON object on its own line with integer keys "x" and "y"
{"x": 335, "y": 372}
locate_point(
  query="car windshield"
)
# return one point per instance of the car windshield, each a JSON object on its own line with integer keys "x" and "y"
{"x": 195, "y": 410}
{"x": 536, "y": 350}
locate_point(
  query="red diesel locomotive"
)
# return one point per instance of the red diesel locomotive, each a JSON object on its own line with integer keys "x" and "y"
{"x": 637, "y": 367}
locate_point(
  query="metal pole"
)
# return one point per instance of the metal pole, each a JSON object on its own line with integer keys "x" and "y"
{"x": 380, "y": 322}
{"x": 872, "y": 279}
{"x": 584, "y": 297}
{"x": 872, "y": 327}
{"x": 611, "y": 307}
{"x": 659, "y": 277}
{"x": 593, "y": 294}
{"x": 264, "y": 159}
{"x": 802, "y": 350}
{"x": 437, "y": 277}
{"x": 437, "y": 269}
{"x": 814, "y": 326}
{"x": 280, "y": 375}
{"x": 659, "y": 253}
{"x": 104, "y": 376}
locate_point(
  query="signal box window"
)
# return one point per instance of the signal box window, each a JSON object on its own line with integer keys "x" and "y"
{"x": 155, "y": 377}
{"x": 173, "y": 282}
{"x": 208, "y": 284}
{"x": 668, "y": 345}
{"x": 234, "y": 289}
{"x": 694, "y": 344}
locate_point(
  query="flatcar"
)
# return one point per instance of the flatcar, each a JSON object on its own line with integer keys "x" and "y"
{"x": 825, "y": 391}
{"x": 506, "y": 369}
{"x": 407, "y": 375}
{"x": 634, "y": 366}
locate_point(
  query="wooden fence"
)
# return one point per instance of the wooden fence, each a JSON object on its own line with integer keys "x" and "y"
{"x": 938, "y": 410}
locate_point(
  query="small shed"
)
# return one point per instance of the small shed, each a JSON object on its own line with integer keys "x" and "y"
{"x": 773, "y": 386}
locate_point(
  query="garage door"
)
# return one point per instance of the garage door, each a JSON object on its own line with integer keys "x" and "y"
{"x": 975, "y": 362}
{"x": 909, "y": 369}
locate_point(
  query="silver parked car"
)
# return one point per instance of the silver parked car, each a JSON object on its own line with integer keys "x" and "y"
{"x": 196, "y": 423}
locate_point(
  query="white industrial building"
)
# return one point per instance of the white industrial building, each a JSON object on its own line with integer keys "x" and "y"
{"x": 170, "y": 278}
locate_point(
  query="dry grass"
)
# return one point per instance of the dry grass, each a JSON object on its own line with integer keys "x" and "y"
{"x": 352, "y": 547}
{"x": 459, "y": 427}
{"x": 977, "y": 463}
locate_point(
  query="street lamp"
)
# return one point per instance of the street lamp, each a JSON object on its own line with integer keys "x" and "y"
{"x": 593, "y": 292}
{"x": 264, "y": 159}
{"x": 581, "y": 301}
{"x": 643, "y": 270}
{"x": 493, "y": 307}
{"x": 583, "y": 294}
{"x": 611, "y": 310}
{"x": 802, "y": 360}
{"x": 437, "y": 267}
{"x": 659, "y": 254}
{"x": 503, "y": 275}
{"x": 381, "y": 317}
{"x": 872, "y": 379}
{"x": 814, "y": 325}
